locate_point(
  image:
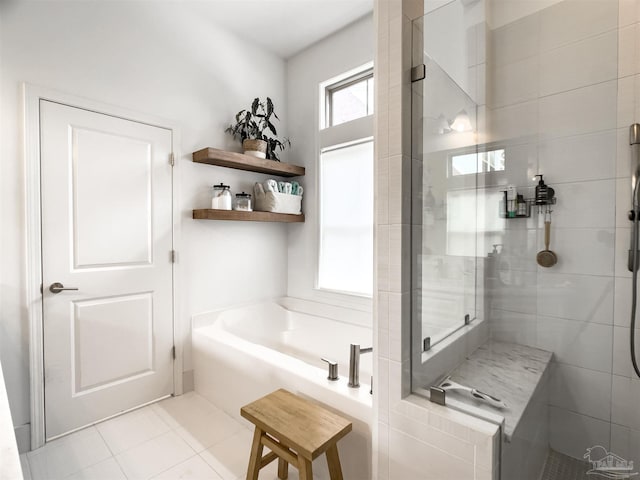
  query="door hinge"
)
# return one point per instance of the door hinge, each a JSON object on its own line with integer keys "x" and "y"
{"x": 172, "y": 256}
{"x": 173, "y": 352}
{"x": 172, "y": 159}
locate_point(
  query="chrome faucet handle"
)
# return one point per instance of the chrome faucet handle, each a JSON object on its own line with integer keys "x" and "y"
{"x": 333, "y": 369}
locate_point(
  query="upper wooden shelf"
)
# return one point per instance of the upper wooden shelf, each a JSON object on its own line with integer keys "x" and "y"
{"x": 239, "y": 161}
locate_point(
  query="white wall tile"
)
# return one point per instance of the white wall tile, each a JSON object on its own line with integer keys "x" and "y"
{"x": 521, "y": 164}
{"x": 585, "y": 204}
{"x": 513, "y": 83}
{"x": 629, "y": 12}
{"x": 515, "y": 41}
{"x": 624, "y": 402}
{"x": 621, "y": 352}
{"x": 623, "y": 242}
{"x": 382, "y": 388}
{"x": 433, "y": 464}
{"x": 579, "y": 158}
{"x": 515, "y": 121}
{"x": 623, "y": 161}
{"x": 462, "y": 450}
{"x": 572, "y": 433}
{"x": 626, "y": 443}
{"x": 629, "y": 51}
{"x": 581, "y": 344}
{"x": 382, "y": 452}
{"x": 519, "y": 248}
{"x": 573, "y": 20}
{"x": 579, "y": 64}
{"x": 581, "y": 391}
{"x": 628, "y": 104}
{"x": 513, "y": 327}
{"x": 585, "y": 110}
{"x": 578, "y": 297}
{"x": 623, "y": 202}
{"x": 581, "y": 251}
{"x": 518, "y": 295}
{"x": 622, "y": 300}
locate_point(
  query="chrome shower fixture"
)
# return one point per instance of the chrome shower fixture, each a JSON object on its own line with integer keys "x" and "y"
{"x": 634, "y": 254}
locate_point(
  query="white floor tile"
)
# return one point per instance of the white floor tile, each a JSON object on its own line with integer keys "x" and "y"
{"x": 68, "y": 455}
{"x": 186, "y": 409}
{"x": 106, "y": 470}
{"x": 208, "y": 431}
{"x": 194, "y": 469}
{"x": 230, "y": 458}
{"x": 131, "y": 429}
{"x": 155, "y": 456}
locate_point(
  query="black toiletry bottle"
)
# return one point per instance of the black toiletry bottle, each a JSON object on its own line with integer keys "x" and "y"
{"x": 544, "y": 193}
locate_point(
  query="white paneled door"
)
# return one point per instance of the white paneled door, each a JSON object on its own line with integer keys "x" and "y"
{"x": 107, "y": 241}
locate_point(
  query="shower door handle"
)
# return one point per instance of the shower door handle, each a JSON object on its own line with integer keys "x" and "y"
{"x": 57, "y": 287}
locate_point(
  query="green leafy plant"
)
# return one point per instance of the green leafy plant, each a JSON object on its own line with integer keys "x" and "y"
{"x": 255, "y": 124}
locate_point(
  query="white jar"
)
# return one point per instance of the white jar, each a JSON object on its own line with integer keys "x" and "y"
{"x": 221, "y": 199}
{"x": 243, "y": 202}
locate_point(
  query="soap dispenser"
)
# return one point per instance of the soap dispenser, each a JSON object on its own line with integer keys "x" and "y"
{"x": 544, "y": 193}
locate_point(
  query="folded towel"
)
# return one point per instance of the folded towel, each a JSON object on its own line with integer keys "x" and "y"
{"x": 258, "y": 189}
{"x": 270, "y": 185}
{"x": 288, "y": 188}
{"x": 300, "y": 190}
{"x": 294, "y": 187}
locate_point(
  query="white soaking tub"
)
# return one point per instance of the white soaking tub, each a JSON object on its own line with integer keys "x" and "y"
{"x": 241, "y": 354}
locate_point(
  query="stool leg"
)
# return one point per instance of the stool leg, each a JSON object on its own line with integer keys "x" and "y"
{"x": 304, "y": 467}
{"x": 256, "y": 455}
{"x": 283, "y": 469}
{"x": 333, "y": 461}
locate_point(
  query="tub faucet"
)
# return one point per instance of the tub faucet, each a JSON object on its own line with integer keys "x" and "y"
{"x": 354, "y": 364}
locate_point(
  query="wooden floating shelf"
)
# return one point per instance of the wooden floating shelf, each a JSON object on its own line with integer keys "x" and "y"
{"x": 210, "y": 214}
{"x": 239, "y": 161}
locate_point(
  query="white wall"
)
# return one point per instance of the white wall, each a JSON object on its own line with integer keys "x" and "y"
{"x": 349, "y": 48}
{"x": 159, "y": 59}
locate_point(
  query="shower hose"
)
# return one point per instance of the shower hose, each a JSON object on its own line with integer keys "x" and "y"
{"x": 634, "y": 283}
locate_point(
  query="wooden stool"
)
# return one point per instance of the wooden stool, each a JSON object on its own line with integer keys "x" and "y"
{"x": 296, "y": 431}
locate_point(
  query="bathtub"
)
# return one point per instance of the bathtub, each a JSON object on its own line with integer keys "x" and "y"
{"x": 243, "y": 353}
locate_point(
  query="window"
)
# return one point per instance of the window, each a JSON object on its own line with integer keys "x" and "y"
{"x": 349, "y": 99}
{"x": 346, "y": 219}
{"x": 481, "y": 162}
{"x": 345, "y": 184}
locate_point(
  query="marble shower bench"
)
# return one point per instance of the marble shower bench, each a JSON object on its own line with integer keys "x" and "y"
{"x": 519, "y": 376}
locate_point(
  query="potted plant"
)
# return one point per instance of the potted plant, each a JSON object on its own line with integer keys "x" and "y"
{"x": 251, "y": 129}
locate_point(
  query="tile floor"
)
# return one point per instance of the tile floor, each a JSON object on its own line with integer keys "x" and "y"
{"x": 561, "y": 467}
{"x": 183, "y": 437}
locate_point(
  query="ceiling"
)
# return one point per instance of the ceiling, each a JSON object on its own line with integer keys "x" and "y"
{"x": 285, "y": 27}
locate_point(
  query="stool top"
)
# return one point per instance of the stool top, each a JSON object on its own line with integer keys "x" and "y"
{"x": 307, "y": 428}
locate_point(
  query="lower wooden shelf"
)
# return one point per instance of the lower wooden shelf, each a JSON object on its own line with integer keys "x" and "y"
{"x": 239, "y": 215}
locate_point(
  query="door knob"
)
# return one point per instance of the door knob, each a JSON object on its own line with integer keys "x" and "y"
{"x": 58, "y": 287}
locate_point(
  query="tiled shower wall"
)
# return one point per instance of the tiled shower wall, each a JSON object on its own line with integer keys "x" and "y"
{"x": 563, "y": 88}
{"x": 413, "y": 437}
